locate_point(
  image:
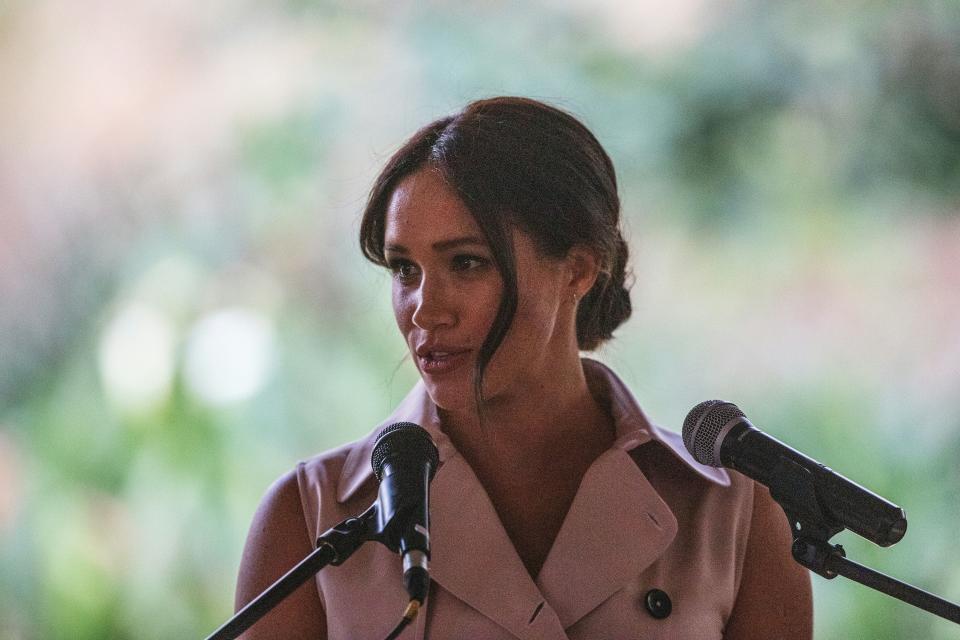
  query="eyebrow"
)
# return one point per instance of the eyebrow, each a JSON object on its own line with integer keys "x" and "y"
{"x": 443, "y": 245}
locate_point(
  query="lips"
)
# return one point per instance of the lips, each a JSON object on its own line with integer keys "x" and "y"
{"x": 441, "y": 359}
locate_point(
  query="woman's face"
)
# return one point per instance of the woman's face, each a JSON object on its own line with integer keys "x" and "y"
{"x": 446, "y": 292}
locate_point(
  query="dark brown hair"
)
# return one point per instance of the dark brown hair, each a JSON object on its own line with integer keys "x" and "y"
{"x": 519, "y": 162}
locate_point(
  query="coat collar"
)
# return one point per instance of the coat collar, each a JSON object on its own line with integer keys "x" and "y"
{"x": 633, "y": 428}
{"x": 586, "y": 563}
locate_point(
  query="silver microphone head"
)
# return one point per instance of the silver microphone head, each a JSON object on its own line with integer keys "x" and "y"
{"x": 705, "y": 427}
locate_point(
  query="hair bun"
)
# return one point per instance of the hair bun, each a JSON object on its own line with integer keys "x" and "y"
{"x": 607, "y": 305}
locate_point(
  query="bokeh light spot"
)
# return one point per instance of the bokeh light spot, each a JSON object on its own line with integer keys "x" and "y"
{"x": 137, "y": 357}
{"x": 230, "y": 355}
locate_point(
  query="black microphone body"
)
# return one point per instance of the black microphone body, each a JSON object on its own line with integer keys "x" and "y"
{"x": 404, "y": 514}
{"x": 718, "y": 434}
{"x": 405, "y": 460}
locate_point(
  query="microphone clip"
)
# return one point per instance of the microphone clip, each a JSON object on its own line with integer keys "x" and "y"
{"x": 348, "y": 536}
{"x": 793, "y": 488}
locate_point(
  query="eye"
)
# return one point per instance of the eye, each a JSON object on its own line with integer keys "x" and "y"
{"x": 403, "y": 270}
{"x": 467, "y": 262}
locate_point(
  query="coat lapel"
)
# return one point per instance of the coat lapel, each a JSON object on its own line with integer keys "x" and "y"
{"x": 618, "y": 524}
{"x": 473, "y": 558}
{"x": 616, "y": 527}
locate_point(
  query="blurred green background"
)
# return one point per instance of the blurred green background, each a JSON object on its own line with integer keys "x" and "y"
{"x": 184, "y": 312}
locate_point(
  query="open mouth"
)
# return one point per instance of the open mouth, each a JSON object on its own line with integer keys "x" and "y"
{"x": 437, "y": 362}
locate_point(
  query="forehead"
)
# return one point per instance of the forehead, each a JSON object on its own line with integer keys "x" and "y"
{"x": 424, "y": 209}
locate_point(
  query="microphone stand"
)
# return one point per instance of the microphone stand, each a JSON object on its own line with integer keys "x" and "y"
{"x": 334, "y": 546}
{"x": 794, "y": 491}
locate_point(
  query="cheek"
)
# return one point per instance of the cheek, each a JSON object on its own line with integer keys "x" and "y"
{"x": 535, "y": 315}
{"x": 536, "y": 320}
{"x": 402, "y": 307}
{"x": 482, "y": 307}
{"x": 539, "y": 291}
{"x": 539, "y": 297}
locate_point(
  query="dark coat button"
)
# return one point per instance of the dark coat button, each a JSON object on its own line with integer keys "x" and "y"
{"x": 658, "y": 603}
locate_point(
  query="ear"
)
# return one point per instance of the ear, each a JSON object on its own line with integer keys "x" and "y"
{"x": 582, "y": 267}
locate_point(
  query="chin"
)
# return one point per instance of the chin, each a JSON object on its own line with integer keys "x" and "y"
{"x": 452, "y": 397}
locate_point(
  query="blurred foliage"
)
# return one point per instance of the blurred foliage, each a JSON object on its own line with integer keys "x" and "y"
{"x": 184, "y": 312}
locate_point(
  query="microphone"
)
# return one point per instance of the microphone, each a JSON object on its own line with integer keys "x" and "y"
{"x": 718, "y": 434}
{"x": 405, "y": 460}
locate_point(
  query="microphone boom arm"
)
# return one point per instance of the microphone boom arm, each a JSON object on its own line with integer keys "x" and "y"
{"x": 334, "y": 546}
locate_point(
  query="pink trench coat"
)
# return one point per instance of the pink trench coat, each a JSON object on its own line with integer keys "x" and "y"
{"x": 646, "y": 517}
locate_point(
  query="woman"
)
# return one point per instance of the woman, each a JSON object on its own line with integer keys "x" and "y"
{"x": 558, "y": 510}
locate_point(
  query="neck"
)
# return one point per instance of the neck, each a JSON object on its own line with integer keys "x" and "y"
{"x": 538, "y": 424}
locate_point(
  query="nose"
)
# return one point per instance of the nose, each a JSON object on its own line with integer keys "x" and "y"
{"x": 434, "y": 306}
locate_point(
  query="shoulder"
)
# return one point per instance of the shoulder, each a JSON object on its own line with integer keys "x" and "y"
{"x": 683, "y": 481}
{"x": 774, "y": 599}
{"x": 327, "y": 467}
{"x": 279, "y": 539}
{"x": 283, "y": 532}
{"x": 335, "y": 476}
{"x": 278, "y": 519}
